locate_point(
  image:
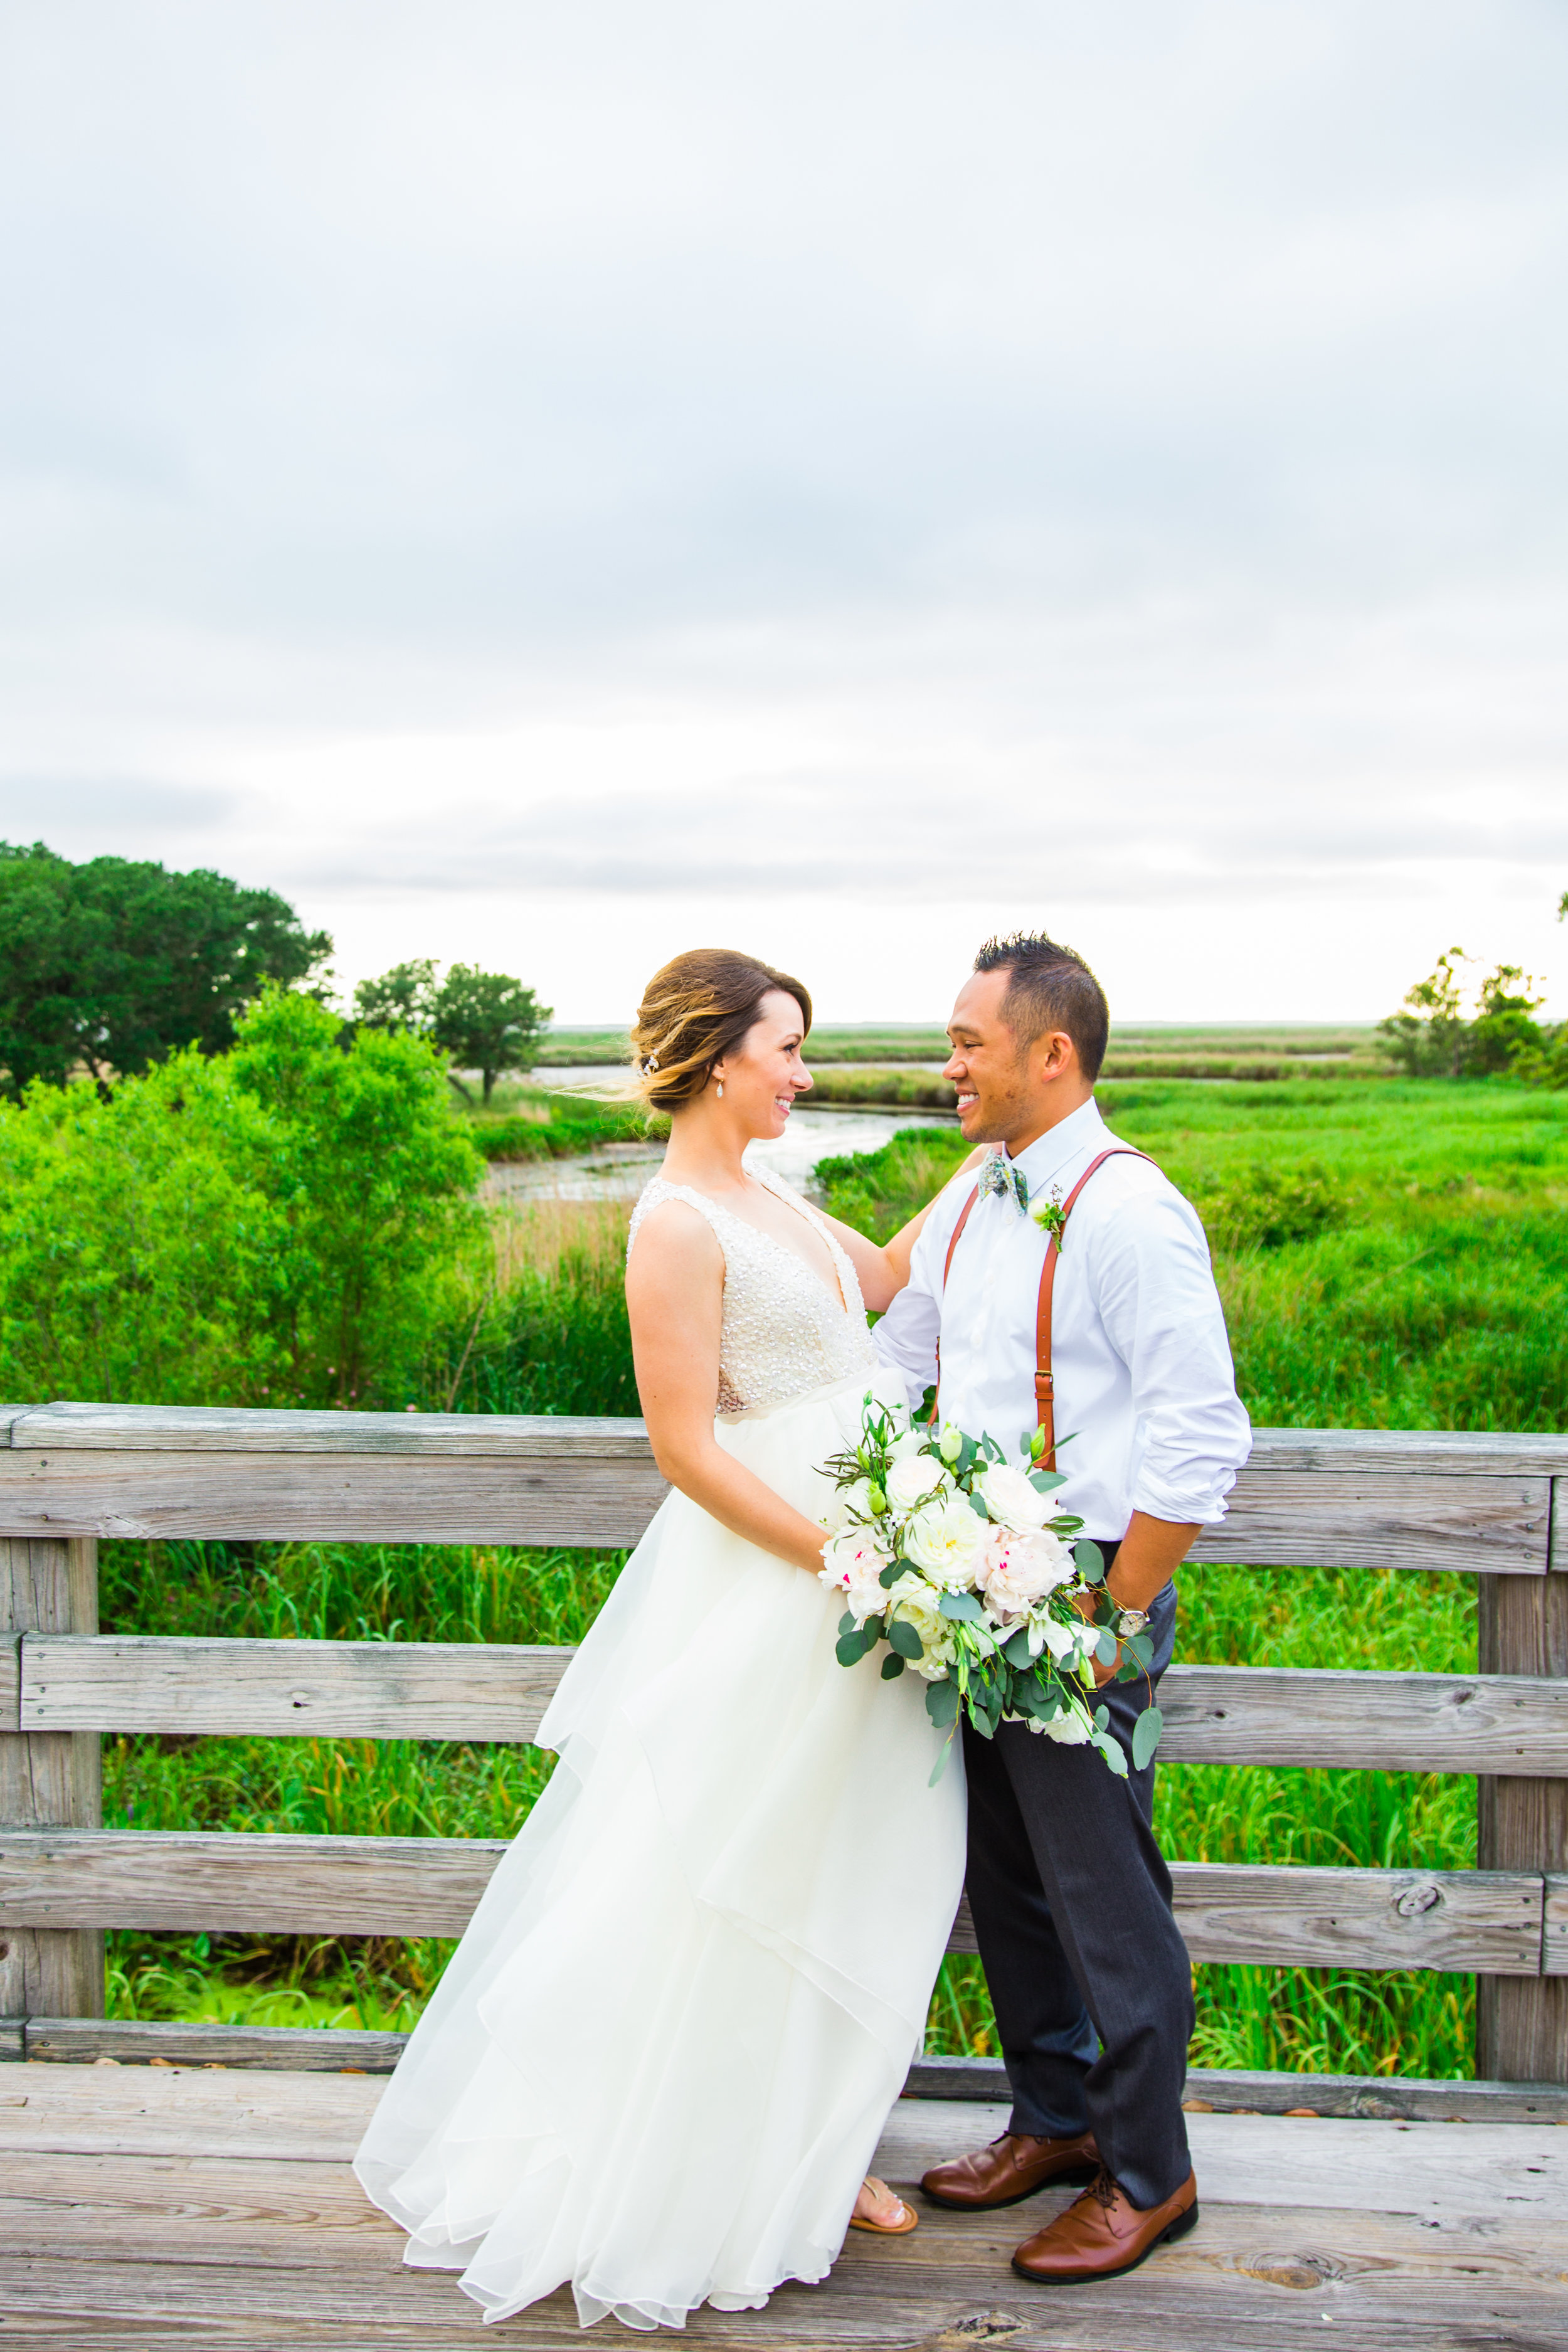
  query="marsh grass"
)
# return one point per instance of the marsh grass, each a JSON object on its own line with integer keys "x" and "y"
{"x": 1391, "y": 1254}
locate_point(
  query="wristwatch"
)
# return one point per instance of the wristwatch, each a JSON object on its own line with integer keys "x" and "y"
{"x": 1132, "y": 1620}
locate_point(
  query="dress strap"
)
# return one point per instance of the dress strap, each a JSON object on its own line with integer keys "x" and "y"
{"x": 659, "y": 1190}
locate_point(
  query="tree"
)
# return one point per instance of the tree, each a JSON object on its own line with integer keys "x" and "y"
{"x": 114, "y": 965}
{"x": 485, "y": 1021}
{"x": 1431, "y": 1037}
{"x": 1505, "y": 1026}
{"x": 403, "y": 998}
{"x": 1426, "y": 1036}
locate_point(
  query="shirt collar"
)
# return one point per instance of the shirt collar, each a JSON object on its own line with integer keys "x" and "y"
{"x": 1069, "y": 1141}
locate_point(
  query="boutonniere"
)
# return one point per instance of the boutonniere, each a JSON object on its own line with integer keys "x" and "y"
{"x": 1050, "y": 1216}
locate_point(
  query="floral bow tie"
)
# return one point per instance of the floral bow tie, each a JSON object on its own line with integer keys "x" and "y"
{"x": 1002, "y": 1175}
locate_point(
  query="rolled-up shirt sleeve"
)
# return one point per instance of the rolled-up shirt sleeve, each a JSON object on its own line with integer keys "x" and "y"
{"x": 1156, "y": 1296}
{"x": 905, "y": 1339}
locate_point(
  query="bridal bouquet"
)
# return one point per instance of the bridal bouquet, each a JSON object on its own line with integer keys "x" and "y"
{"x": 950, "y": 1554}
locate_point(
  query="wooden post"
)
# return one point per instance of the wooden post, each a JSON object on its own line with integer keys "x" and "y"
{"x": 48, "y": 1779}
{"x": 1522, "y": 2022}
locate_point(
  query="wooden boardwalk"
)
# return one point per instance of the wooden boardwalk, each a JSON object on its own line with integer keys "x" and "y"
{"x": 164, "y": 2206}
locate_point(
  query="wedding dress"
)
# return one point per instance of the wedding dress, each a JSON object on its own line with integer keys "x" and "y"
{"x": 659, "y": 2062}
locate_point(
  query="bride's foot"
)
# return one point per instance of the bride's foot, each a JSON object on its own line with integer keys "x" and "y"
{"x": 882, "y": 2209}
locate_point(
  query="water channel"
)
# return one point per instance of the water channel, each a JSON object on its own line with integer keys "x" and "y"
{"x": 617, "y": 1172}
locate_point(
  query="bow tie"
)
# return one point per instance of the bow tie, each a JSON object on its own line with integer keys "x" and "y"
{"x": 1002, "y": 1175}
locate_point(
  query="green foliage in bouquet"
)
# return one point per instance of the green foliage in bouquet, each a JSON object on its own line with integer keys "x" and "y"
{"x": 948, "y": 1553}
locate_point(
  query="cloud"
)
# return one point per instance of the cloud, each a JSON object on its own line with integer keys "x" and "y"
{"x": 837, "y": 450}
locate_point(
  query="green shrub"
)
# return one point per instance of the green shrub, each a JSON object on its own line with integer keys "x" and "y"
{"x": 284, "y": 1224}
{"x": 1264, "y": 1208}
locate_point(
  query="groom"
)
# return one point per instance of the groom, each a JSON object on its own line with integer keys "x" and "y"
{"x": 1124, "y": 1342}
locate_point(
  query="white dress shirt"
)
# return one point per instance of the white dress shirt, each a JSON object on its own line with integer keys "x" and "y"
{"x": 1145, "y": 1391}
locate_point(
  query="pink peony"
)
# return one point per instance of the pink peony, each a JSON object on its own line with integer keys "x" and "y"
{"x": 853, "y": 1564}
{"x": 1015, "y": 1570}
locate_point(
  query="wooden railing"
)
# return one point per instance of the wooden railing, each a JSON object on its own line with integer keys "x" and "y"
{"x": 70, "y": 1473}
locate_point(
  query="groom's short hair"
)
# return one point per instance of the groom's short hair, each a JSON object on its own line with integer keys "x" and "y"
{"x": 1050, "y": 987}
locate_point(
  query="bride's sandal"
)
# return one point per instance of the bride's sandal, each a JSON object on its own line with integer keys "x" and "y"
{"x": 908, "y": 2218}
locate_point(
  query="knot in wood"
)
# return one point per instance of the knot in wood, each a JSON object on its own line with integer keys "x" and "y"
{"x": 1417, "y": 1900}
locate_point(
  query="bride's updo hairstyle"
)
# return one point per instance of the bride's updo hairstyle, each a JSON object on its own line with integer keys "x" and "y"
{"x": 693, "y": 1012}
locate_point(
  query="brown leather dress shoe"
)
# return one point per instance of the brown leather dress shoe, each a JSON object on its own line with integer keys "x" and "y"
{"x": 1010, "y": 2169}
{"x": 1102, "y": 2233}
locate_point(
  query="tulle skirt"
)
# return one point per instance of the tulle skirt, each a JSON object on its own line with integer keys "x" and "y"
{"x": 659, "y": 2062}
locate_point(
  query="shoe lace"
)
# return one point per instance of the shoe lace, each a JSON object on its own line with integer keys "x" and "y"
{"x": 1103, "y": 2189}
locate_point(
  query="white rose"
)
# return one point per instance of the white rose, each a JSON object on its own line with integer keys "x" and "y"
{"x": 853, "y": 1564}
{"x": 913, "y": 1479}
{"x": 944, "y": 1539}
{"x": 938, "y": 1647}
{"x": 908, "y": 1441}
{"x": 1015, "y": 1570}
{"x": 1008, "y": 1497}
{"x": 1045, "y": 1634}
{"x": 846, "y": 1505}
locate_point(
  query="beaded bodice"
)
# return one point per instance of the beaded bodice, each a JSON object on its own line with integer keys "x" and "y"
{"x": 784, "y": 1332}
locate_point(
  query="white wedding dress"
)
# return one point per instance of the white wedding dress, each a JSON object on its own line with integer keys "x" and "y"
{"x": 659, "y": 2064}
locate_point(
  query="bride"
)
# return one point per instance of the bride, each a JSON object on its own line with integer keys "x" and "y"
{"x": 660, "y": 2060}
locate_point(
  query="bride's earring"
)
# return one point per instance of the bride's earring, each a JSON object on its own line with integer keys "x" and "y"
{"x": 720, "y": 1086}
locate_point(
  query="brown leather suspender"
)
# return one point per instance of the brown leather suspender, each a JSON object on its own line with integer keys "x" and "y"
{"x": 1044, "y": 1384}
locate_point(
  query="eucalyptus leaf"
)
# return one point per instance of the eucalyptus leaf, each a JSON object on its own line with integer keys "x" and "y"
{"x": 1140, "y": 1650}
{"x": 851, "y": 1648}
{"x": 942, "y": 1702}
{"x": 940, "y": 1767}
{"x": 892, "y": 1668}
{"x": 904, "y": 1639}
{"x": 1105, "y": 1649}
{"x": 1045, "y": 1482}
{"x": 1102, "y": 1718}
{"x": 977, "y": 1505}
{"x": 1146, "y": 1736}
{"x": 1113, "y": 1755}
{"x": 1090, "y": 1560}
{"x": 891, "y": 1573}
{"x": 846, "y": 1622}
{"x": 1015, "y": 1649}
{"x": 962, "y": 1607}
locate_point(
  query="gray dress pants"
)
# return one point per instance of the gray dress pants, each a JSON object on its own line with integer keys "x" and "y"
{"x": 1088, "y": 1975}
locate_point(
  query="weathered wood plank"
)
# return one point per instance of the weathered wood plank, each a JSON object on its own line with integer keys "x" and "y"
{"x": 278, "y": 2049}
{"x": 1331, "y": 1519}
{"x": 204, "y": 1429}
{"x": 1554, "y": 1936}
{"x": 1226, "y": 1715}
{"x": 10, "y": 1682}
{"x": 1373, "y": 1722}
{"x": 429, "y": 1886}
{"x": 1274, "y": 1914}
{"x": 1423, "y": 1453}
{"x": 393, "y": 1690}
{"x": 285, "y": 2049}
{"x": 1225, "y": 2090}
{"x": 1290, "y": 1518}
{"x": 1307, "y": 1497}
{"x": 172, "y": 2246}
{"x": 1521, "y": 2030}
{"x": 595, "y": 1501}
{"x": 48, "y": 1778}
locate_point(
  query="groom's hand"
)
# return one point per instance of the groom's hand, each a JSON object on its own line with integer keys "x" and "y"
{"x": 1150, "y": 1554}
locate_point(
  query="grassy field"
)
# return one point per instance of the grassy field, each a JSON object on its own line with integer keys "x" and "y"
{"x": 1391, "y": 1255}
{"x": 1154, "y": 1050}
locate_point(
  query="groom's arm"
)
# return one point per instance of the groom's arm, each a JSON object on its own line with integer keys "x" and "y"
{"x": 1156, "y": 1292}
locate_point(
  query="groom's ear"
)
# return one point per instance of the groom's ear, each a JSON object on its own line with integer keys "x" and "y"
{"x": 1054, "y": 1055}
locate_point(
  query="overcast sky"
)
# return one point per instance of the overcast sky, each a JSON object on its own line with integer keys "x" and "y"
{"x": 554, "y": 482}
